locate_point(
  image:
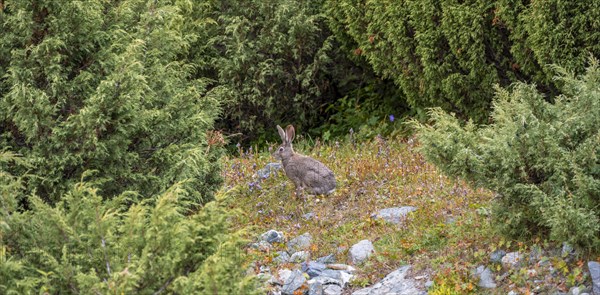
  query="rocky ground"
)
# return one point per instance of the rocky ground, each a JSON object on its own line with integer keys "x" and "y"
{"x": 298, "y": 274}
{"x": 395, "y": 225}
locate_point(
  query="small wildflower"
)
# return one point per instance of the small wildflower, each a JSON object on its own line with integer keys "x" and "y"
{"x": 392, "y": 118}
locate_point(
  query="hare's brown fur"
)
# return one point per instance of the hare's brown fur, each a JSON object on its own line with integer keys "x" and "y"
{"x": 305, "y": 172}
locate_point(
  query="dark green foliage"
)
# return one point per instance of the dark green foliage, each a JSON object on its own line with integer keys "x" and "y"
{"x": 540, "y": 157}
{"x": 281, "y": 65}
{"x": 550, "y": 32}
{"x": 449, "y": 53}
{"x": 375, "y": 109}
{"x": 104, "y": 86}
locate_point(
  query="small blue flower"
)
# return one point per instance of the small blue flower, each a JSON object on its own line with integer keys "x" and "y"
{"x": 391, "y": 118}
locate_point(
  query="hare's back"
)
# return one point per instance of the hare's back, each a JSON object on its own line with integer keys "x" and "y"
{"x": 318, "y": 178}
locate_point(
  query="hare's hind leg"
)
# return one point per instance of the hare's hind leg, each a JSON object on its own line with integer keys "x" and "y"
{"x": 300, "y": 193}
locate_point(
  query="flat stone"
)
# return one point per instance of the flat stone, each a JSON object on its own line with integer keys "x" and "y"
{"x": 361, "y": 251}
{"x": 486, "y": 278}
{"x": 284, "y": 274}
{"x": 496, "y": 256}
{"x": 272, "y": 236}
{"x": 327, "y": 259}
{"x": 325, "y": 281}
{"x": 299, "y": 243}
{"x": 282, "y": 257}
{"x": 262, "y": 246}
{"x": 315, "y": 288}
{"x": 574, "y": 291}
{"x": 512, "y": 260}
{"x": 293, "y": 282}
{"x": 394, "y": 283}
{"x": 332, "y": 290}
{"x": 394, "y": 215}
{"x": 346, "y": 278}
{"x": 595, "y": 274}
{"x": 313, "y": 268}
{"x": 299, "y": 256}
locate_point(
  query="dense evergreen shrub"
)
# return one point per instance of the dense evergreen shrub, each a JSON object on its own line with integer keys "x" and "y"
{"x": 540, "y": 157}
{"x": 87, "y": 245}
{"x": 450, "y": 53}
{"x": 549, "y": 32}
{"x": 105, "y": 140}
{"x": 105, "y": 86}
{"x": 280, "y": 64}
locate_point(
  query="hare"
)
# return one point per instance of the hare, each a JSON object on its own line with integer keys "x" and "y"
{"x": 305, "y": 172}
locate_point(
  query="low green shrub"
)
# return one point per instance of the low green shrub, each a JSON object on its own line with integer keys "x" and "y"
{"x": 87, "y": 245}
{"x": 540, "y": 157}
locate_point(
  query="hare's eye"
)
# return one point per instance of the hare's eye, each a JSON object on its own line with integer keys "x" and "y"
{"x": 281, "y": 149}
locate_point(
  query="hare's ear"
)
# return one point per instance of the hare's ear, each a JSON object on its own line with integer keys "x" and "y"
{"x": 281, "y": 134}
{"x": 290, "y": 132}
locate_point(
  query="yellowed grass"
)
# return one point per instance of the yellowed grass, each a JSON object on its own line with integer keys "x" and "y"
{"x": 444, "y": 240}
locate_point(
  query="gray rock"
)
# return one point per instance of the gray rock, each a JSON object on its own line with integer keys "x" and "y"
{"x": 567, "y": 250}
{"x": 486, "y": 278}
{"x": 336, "y": 277}
{"x": 332, "y": 290}
{"x": 315, "y": 288}
{"x": 293, "y": 282}
{"x": 395, "y": 214}
{"x": 512, "y": 293}
{"x": 327, "y": 259}
{"x": 262, "y": 246}
{"x": 496, "y": 256}
{"x": 325, "y": 281}
{"x": 272, "y": 236}
{"x": 394, "y": 283}
{"x": 429, "y": 284}
{"x": 299, "y": 243}
{"x": 361, "y": 251}
{"x": 332, "y": 273}
{"x": 282, "y": 257}
{"x": 284, "y": 274}
{"x": 299, "y": 256}
{"x": 313, "y": 268}
{"x": 266, "y": 172}
{"x": 346, "y": 278}
{"x": 575, "y": 291}
{"x": 595, "y": 274}
{"x": 512, "y": 260}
